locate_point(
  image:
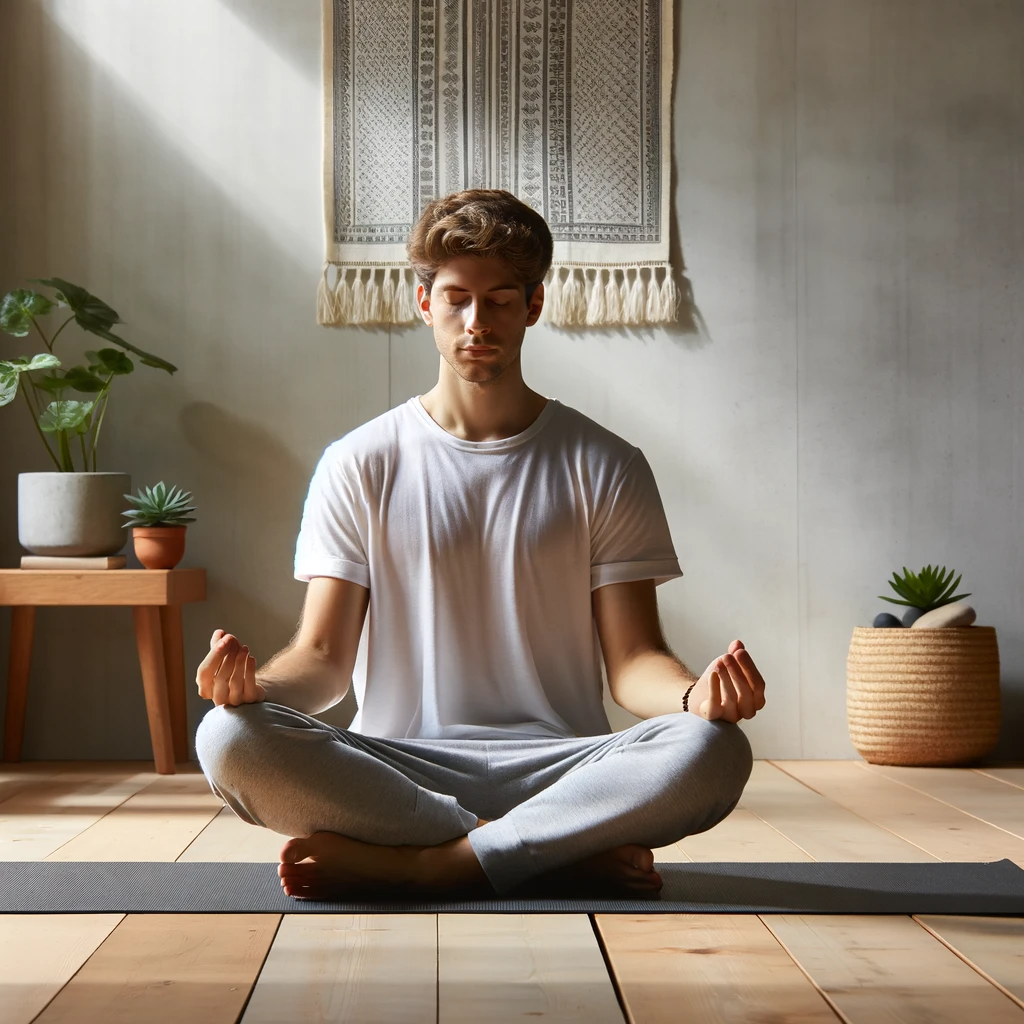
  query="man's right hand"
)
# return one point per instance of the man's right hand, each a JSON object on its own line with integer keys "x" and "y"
{"x": 227, "y": 674}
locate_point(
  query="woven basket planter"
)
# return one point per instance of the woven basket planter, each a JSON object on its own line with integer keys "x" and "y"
{"x": 923, "y": 696}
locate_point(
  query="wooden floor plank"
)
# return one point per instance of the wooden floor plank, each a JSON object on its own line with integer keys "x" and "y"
{"x": 742, "y": 836}
{"x": 39, "y": 953}
{"x": 166, "y": 969}
{"x": 819, "y": 826}
{"x": 935, "y": 827}
{"x": 157, "y": 823}
{"x": 888, "y": 968}
{"x": 706, "y": 968}
{"x": 352, "y": 967}
{"x": 40, "y": 820}
{"x": 228, "y": 838}
{"x": 501, "y": 968}
{"x": 1011, "y": 776}
{"x": 994, "y": 945}
{"x": 989, "y": 799}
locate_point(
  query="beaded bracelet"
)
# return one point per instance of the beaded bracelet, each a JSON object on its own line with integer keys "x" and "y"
{"x": 686, "y": 696}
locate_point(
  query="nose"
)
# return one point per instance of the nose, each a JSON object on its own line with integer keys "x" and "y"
{"x": 475, "y": 325}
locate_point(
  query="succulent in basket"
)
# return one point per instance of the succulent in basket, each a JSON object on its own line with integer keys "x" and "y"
{"x": 158, "y": 520}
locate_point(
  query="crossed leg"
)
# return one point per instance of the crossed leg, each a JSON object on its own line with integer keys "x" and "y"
{"x": 584, "y": 807}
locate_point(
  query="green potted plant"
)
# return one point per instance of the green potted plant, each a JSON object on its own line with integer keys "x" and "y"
{"x": 158, "y": 525}
{"x": 925, "y": 692}
{"x": 72, "y": 510}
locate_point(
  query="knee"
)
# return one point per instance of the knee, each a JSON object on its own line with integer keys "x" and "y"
{"x": 229, "y": 736}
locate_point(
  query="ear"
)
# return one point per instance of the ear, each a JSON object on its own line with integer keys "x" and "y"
{"x": 536, "y": 305}
{"x": 423, "y": 304}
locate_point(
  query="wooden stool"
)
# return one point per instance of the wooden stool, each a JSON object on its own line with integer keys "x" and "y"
{"x": 156, "y": 597}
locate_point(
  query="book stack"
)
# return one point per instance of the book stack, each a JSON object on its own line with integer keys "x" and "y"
{"x": 71, "y": 562}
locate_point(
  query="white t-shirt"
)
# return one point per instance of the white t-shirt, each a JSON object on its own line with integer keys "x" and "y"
{"x": 480, "y": 558}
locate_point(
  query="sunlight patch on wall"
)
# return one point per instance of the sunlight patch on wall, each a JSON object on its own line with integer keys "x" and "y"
{"x": 221, "y": 95}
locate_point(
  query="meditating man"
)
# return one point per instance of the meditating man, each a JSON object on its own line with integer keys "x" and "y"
{"x": 501, "y": 543}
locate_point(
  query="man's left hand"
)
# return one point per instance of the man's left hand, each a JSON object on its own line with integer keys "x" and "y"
{"x": 731, "y": 687}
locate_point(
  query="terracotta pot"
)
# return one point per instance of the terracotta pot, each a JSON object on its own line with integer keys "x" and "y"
{"x": 159, "y": 547}
{"x": 923, "y": 696}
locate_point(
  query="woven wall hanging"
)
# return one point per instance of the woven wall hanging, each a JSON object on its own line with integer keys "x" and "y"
{"x": 564, "y": 103}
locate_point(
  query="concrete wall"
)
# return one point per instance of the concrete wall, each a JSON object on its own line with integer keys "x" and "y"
{"x": 849, "y": 201}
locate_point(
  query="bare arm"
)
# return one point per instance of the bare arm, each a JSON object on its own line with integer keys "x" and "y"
{"x": 312, "y": 673}
{"x": 644, "y": 676}
{"x": 647, "y": 679}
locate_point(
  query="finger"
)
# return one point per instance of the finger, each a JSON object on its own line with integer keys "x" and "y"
{"x": 727, "y": 699}
{"x": 215, "y": 639}
{"x": 742, "y": 692}
{"x": 207, "y": 671}
{"x": 712, "y": 707}
{"x": 236, "y": 683}
{"x": 222, "y": 676}
{"x": 251, "y": 690}
{"x": 754, "y": 678}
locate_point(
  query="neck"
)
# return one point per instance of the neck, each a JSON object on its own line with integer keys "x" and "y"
{"x": 483, "y": 412}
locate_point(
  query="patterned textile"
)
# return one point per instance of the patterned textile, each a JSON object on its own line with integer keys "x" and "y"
{"x": 565, "y": 103}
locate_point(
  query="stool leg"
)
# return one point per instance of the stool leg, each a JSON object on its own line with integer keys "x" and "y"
{"x": 23, "y": 626}
{"x": 174, "y": 668}
{"x": 154, "y": 681}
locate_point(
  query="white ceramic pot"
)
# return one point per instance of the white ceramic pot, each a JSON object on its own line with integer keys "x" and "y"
{"x": 73, "y": 513}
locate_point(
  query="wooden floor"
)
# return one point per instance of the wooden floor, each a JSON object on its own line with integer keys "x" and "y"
{"x": 262, "y": 968}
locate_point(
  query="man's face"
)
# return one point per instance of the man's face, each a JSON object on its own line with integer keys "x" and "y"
{"x": 479, "y": 314}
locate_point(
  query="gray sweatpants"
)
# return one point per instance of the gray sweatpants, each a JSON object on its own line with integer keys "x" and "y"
{"x": 548, "y": 802}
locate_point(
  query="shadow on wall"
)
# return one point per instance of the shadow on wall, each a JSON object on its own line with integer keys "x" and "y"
{"x": 254, "y": 483}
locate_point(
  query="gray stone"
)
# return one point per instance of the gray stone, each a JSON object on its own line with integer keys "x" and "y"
{"x": 959, "y": 613}
{"x": 884, "y": 620}
{"x": 911, "y": 615}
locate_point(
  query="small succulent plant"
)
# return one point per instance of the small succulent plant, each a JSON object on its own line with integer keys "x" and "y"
{"x": 925, "y": 590}
{"x": 159, "y": 507}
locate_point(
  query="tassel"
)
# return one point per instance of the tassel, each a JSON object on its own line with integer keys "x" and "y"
{"x": 612, "y": 299}
{"x": 554, "y": 298}
{"x": 595, "y": 304}
{"x": 634, "y": 304}
{"x": 652, "y": 310}
{"x": 669, "y": 298}
{"x": 624, "y": 296}
{"x": 325, "y": 309}
{"x": 406, "y": 297}
{"x": 357, "y": 311}
{"x": 373, "y": 298}
{"x": 342, "y": 297}
{"x": 575, "y": 299}
{"x": 387, "y": 300}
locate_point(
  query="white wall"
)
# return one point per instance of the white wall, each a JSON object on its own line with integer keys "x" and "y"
{"x": 850, "y": 207}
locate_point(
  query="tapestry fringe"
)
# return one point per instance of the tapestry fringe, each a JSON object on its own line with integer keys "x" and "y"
{"x": 610, "y": 296}
{"x": 584, "y": 296}
{"x": 366, "y": 295}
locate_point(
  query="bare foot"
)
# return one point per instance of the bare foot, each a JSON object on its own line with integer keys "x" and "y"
{"x": 327, "y": 865}
{"x": 630, "y": 866}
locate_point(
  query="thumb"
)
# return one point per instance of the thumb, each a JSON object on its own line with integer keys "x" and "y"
{"x": 217, "y": 634}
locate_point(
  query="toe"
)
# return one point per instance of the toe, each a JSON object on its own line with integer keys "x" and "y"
{"x": 295, "y": 850}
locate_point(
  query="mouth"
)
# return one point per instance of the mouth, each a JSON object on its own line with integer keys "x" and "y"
{"x": 476, "y": 350}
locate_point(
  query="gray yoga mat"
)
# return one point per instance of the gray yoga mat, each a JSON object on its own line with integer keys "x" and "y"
{"x": 93, "y": 887}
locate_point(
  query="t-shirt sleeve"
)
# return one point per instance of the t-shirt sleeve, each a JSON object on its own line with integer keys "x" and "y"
{"x": 631, "y": 538}
{"x": 330, "y": 541}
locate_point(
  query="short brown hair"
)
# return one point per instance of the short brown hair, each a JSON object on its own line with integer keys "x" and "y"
{"x": 481, "y": 222}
